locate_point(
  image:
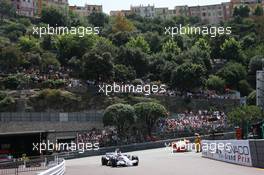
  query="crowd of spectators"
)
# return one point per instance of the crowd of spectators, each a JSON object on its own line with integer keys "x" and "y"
{"x": 37, "y": 77}
{"x": 105, "y": 137}
{"x": 202, "y": 121}
{"x": 204, "y": 94}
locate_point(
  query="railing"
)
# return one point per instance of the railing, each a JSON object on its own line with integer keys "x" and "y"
{"x": 30, "y": 165}
{"x": 56, "y": 170}
{"x": 89, "y": 116}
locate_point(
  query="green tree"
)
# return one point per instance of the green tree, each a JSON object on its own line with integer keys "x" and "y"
{"x": 68, "y": 46}
{"x": 188, "y": 76}
{"x": 120, "y": 38}
{"x": 27, "y": 44}
{"x": 244, "y": 87}
{"x": 148, "y": 113}
{"x": 202, "y": 44}
{"x": 138, "y": 42}
{"x": 6, "y": 9}
{"x": 96, "y": 67}
{"x": 122, "y": 116}
{"x": 135, "y": 58}
{"x": 244, "y": 115}
{"x": 124, "y": 73}
{"x": 197, "y": 56}
{"x": 49, "y": 59}
{"x": 231, "y": 50}
{"x": 258, "y": 11}
{"x": 232, "y": 73}
{"x": 122, "y": 24}
{"x": 216, "y": 83}
{"x": 154, "y": 40}
{"x": 255, "y": 64}
{"x": 54, "y": 17}
{"x": 10, "y": 58}
{"x": 251, "y": 98}
{"x": 98, "y": 19}
{"x": 103, "y": 45}
{"x": 242, "y": 11}
{"x": 248, "y": 41}
{"x": 171, "y": 47}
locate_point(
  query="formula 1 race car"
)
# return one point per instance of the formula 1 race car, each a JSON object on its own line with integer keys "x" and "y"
{"x": 115, "y": 159}
{"x": 181, "y": 146}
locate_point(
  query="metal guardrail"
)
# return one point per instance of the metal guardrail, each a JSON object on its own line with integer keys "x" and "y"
{"x": 30, "y": 165}
{"x": 59, "y": 169}
{"x": 90, "y": 116}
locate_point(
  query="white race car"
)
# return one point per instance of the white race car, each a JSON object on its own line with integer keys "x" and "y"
{"x": 115, "y": 159}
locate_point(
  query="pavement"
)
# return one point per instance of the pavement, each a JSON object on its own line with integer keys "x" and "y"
{"x": 160, "y": 162}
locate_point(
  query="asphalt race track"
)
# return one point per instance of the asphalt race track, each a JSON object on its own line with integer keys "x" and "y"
{"x": 160, "y": 162}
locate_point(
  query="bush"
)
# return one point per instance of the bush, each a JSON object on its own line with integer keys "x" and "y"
{"x": 53, "y": 84}
{"x": 6, "y": 102}
{"x": 215, "y": 83}
{"x": 251, "y": 98}
{"x": 232, "y": 73}
{"x": 244, "y": 87}
{"x": 14, "y": 82}
{"x": 55, "y": 99}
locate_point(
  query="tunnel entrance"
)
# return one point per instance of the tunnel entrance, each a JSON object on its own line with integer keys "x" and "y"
{"x": 16, "y": 144}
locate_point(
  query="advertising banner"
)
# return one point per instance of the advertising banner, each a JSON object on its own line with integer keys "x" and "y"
{"x": 232, "y": 151}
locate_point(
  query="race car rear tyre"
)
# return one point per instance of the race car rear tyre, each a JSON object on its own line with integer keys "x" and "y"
{"x": 104, "y": 161}
{"x": 113, "y": 162}
{"x": 135, "y": 158}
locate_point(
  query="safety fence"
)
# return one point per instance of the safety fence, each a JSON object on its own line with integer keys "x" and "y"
{"x": 89, "y": 116}
{"x": 31, "y": 165}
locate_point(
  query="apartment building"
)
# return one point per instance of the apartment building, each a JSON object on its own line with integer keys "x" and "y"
{"x": 181, "y": 10}
{"x": 212, "y": 14}
{"x": 87, "y": 9}
{"x": 162, "y": 12}
{"x": 144, "y": 11}
{"x": 33, "y": 8}
{"x": 25, "y": 7}
{"x": 121, "y": 12}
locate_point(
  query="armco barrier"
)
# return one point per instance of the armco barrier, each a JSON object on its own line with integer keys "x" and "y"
{"x": 56, "y": 170}
{"x": 141, "y": 146}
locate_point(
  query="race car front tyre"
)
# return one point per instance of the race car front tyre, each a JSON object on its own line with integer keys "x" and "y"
{"x": 113, "y": 162}
{"x": 104, "y": 161}
{"x": 135, "y": 158}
